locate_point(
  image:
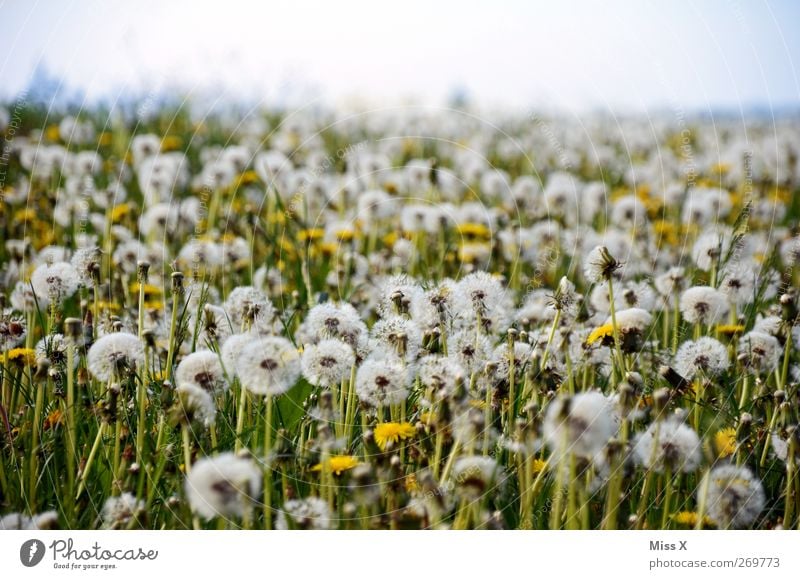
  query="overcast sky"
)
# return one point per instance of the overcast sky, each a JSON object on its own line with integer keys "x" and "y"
{"x": 619, "y": 55}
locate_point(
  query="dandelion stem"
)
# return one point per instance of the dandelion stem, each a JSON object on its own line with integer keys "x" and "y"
{"x": 268, "y": 463}
{"x": 89, "y": 461}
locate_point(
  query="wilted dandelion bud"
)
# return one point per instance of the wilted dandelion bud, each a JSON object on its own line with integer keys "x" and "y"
{"x": 73, "y": 329}
{"x": 627, "y": 397}
{"x": 142, "y": 269}
{"x": 177, "y": 283}
{"x": 788, "y": 302}
{"x": 779, "y": 396}
{"x": 660, "y": 401}
{"x": 149, "y": 338}
{"x": 42, "y": 368}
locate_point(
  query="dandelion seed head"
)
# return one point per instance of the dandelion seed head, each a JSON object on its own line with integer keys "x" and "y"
{"x": 57, "y": 282}
{"x": 113, "y": 352}
{"x": 580, "y": 424}
{"x": 328, "y": 362}
{"x": 269, "y": 366}
{"x": 118, "y": 512}
{"x": 202, "y": 369}
{"x": 735, "y": 496}
{"x": 197, "y": 403}
{"x": 668, "y": 444}
{"x": 703, "y": 305}
{"x": 706, "y": 356}
{"x": 223, "y": 486}
{"x": 311, "y": 513}
{"x": 382, "y": 382}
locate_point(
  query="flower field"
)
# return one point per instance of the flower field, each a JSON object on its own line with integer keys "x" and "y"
{"x": 399, "y": 319}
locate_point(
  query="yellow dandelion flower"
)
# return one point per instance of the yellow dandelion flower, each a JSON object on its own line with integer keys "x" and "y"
{"x": 248, "y": 177}
{"x": 105, "y": 139}
{"x": 427, "y": 418}
{"x": 479, "y": 404}
{"x": 119, "y": 212}
{"x": 337, "y": 464}
{"x": 25, "y": 215}
{"x": 539, "y": 465}
{"x": 310, "y": 234}
{"x": 665, "y": 232}
{"x": 149, "y": 289}
{"x": 725, "y": 442}
{"x": 171, "y": 143}
{"x": 153, "y": 305}
{"x": 474, "y": 230}
{"x": 328, "y": 248}
{"x": 108, "y": 306}
{"x": 393, "y": 432}
{"x": 390, "y": 239}
{"x": 24, "y": 356}
{"x": 689, "y": 518}
{"x": 619, "y": 193}
{"x": 345, "y": 235}
{"x": 411, "y": 483}
{"x": 52, "y": 133}
{"x": 720, "y": 168}
{"x": 730, "y": 329}
{"x": 601, "y": 333}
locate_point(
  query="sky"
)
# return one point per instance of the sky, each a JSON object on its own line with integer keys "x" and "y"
{"x": 613, "y": 55}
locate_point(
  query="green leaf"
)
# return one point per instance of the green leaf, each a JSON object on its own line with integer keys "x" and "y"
{"x": 290, "y": 405}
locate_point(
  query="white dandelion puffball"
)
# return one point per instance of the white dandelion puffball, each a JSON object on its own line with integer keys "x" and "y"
{"x": 307, "y": 514}
{"x": 269, "y": 366}
{"x": 223, "y": 486}
{"x": 202, "y": 369}
{"x": 595, "y": 264}
{"x": 113, "y": 352}
{"x": 735, "y": 497}
{"x": 474, "y": 476}
{"x": 703, "y": 305}
{"x": 382, "y": 381}
{"x": 232, "y": 348}
{"x": 119, "y": 511}
{"x": 246, "y": 301}
{"x": 706, "y": 356}
{"x": 327, "y": 362}
{"x": 668, "y": 444}
{"x": 441, "y": 373}
{"x": 580, "y": 424}
{"x": 340, "y": 321}
{"x": 632, "y": 320}
{"x": 197, "y": 403}
{"x": 56, "y": 282}
{"x": 761, "y": 352}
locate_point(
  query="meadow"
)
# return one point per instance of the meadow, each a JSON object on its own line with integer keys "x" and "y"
{"x": 397, "y": 319}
